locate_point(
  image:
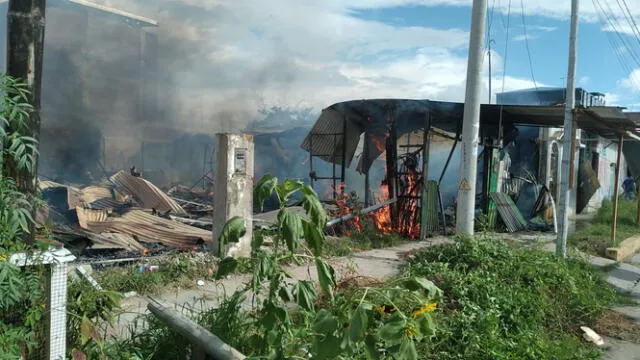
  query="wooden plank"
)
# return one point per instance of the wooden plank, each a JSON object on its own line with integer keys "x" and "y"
{"x": 625, "y": 250}
{"x": 614, "y": 216}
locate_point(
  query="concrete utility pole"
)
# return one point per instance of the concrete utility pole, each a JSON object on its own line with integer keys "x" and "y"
{"x": 25, "y": 48}
{"x": 563, "y": 229}
{"x": 471, "y": 122}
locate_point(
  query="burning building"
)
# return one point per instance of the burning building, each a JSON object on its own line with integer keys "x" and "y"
{"x": 411, "y": 181}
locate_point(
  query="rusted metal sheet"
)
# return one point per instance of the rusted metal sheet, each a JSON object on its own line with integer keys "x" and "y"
{"x": 153, "y": 229}
{"x": 86, "y": 216}
{"x": 146, "y": 194}
{"x": 90, "y": 194}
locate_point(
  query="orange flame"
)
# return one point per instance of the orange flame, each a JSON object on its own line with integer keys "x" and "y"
{"x": 345, "y": 209}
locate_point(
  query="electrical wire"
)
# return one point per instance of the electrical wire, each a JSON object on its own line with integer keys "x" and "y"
{"x": 506, "y": 46}
{"x": 488, "y": 42}
{"x": 623, "y": 40}
{"x": 632, "y": 22}
{"x": 615, "y": 46}
{"x": 526, "y": 43}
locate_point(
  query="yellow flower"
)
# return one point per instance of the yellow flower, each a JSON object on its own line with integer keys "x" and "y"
{"x": 3, "y": 257}
{"x": 425, "y": 309}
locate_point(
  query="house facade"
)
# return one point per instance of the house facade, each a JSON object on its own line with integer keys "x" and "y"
{"x": 594, "y": 167}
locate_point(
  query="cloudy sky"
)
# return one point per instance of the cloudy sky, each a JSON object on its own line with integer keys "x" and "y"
{"x": 316, "y": 52}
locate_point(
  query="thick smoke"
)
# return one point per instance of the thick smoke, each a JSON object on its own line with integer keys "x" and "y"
{"x": 109, "y": 86}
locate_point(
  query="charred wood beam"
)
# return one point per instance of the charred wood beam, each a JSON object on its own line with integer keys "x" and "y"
{"x": 25, "y": 50}
{"x": 364, "y": 211}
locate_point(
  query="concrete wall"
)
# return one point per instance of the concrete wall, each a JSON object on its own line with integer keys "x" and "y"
{"x": 234, "y": 190}
{"x": 606, "y": 173}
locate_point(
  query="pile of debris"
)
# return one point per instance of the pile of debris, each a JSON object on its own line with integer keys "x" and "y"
{"x": 129, "y": 214}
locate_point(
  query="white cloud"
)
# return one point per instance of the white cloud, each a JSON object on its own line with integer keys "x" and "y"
{"x": 632, "y": 82}
{"x": 583, "y": 81}
{"x": 525, "y": 37}
{"x": 248, "y": 53}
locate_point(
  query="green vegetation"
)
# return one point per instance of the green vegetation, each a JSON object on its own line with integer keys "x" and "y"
{"x": 21, "y": 290}
{"x": 180, "y": 270}
{"x": 508, "y": 302}
{"x": 596, "y": 238}
{"x": 294, "y": 318}
{"x": 360, "y": 241}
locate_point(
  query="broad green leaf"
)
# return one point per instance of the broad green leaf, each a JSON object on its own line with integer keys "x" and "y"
{"x": 326, "y": 276}
{"x": 314, "y": 209}
{"x": 287, "y": 188}
{"x": 426, "y": 325}
{"x": 264, "y": 189}
{"x": 358, "y": 325}
{"x": 394, "y": 329}
{"x": 420, "y": 283}
{"x": 370, "y": 348}
{"x": 232, "y": 231}
{"x": 274, "y": 314}
{"x": 305, "y": 293}
{"x": 290, "y": 224}
{"x": 407, "y": 350}
{"x": 227, "y": 266}
{"x": 284, "y": 294}
{"x": 314, "y": 237}
{"x": 326, "y": 345}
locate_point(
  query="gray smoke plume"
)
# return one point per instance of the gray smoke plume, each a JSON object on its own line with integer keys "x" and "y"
{"x": 109, "y": 85}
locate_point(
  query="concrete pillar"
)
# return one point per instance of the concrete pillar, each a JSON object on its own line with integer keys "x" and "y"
{"x": 233, "y": 194}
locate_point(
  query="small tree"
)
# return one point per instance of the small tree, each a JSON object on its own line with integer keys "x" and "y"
{"x": 20, "y": 291}
{"x": 330, "y": 325}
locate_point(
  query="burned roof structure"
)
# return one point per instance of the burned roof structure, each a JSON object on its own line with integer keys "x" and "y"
{"x": 335, "y": 135}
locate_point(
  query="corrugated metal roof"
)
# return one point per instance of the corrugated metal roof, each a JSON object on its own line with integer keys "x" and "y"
{"x": 86, "y": 216}
{"x": 373, "y": 116}
{"x": 93, "y": 193}
{"x": 150, "y": 228}
{"x": 146, "y": 194}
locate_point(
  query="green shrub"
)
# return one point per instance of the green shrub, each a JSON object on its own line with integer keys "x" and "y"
{"x": 504, "y": 302}
{"x": 596, "y": 238}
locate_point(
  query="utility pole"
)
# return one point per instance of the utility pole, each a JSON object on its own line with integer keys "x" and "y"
{"x": 465, "y": 212}
{"x": 25, "y": 48}
{"x": 567, "y": 148}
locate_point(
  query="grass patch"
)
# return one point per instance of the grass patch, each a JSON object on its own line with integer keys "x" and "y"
{"x": 596, "y": 238}
{"x": 178, "y": 271}
{"x": 507, "y": 302}
{"x": 616, "y": 325}
{"x": 360, "y": 241}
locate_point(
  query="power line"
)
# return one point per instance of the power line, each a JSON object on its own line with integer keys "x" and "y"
{"x": 614, "y": 45}
{"x": 526, "y": 43}
{"x": 506, "y": 46}
{"x": 630, "y": 19}
{"x": 612, "y": 24}
{"x": 488, "y": 42}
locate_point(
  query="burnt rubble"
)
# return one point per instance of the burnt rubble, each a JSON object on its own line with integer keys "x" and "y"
{"x": 126, "y": 216}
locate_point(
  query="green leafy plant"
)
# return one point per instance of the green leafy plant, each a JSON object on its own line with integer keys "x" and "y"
{"x": 349, "y": 323}
{"x": 91, "y": 312}
{"x": 509, "y": 302}
{"x": 21, "y": 290}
